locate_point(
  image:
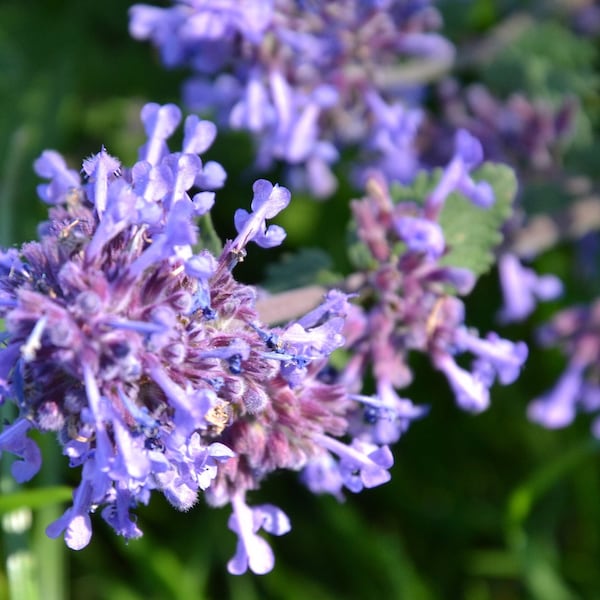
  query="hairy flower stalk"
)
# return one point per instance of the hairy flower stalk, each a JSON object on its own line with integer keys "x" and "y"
{"x": 147, "y": 358}
{"x": 305, "y": 78}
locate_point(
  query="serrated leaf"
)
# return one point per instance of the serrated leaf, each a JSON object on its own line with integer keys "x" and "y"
{"x": 306, "y": 267}
{"x": 471, "y": 232}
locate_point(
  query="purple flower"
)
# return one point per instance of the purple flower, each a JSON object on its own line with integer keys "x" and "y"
{"x": 384, "y": 418}
{"x": 470, "y": 389}
{"x": 159, "y": 122}
{"x": 253, "y": 552}
{"x": 558, "y": 407}
{"x": 504, "y": 357}
{"x": 305, "y": 80}
{"x": 468, "y": 154}
{"x": 75, "y": 523}
{"x": 52, "y": 165}
{"x": 321, "y": 475}
{"x": 412, "y": 308}
{"x": 268, "y": 201}
{"x": 421, "y": 235}
{"x": 148, "y": 359}
{"x": 14, "y": 439}
{"x": 521, "y": 287}
{"x": 254, "y": 111}
{"x": 392, "y": 137}
{"x": 361, "y": 464}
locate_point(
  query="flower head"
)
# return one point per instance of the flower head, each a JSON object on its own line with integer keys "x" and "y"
{"x": 413, "y": 306}
{"x": 304, "y": 78}
{"x": 148, "y": 359}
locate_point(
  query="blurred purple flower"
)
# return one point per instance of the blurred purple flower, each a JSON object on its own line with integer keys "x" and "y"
{"x": 576, "y": 331}
{"x": 412, "y": 309}
{"x": 305, "y": 79}
{"x": 521, "y": 287}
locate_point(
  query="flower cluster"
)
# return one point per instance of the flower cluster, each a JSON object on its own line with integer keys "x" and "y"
{"x": 519, "y": 131}
{"x": 148, "y": 359}
{"x": 577, "y": 331}
{"x": 306, "y": 78}
{"x": 413, "y": 304}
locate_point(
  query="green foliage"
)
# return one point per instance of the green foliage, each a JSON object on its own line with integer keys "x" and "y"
{"x": 35, "y": 498}
{"x": 472, "y": 233}
{"x": 546, "y": 61}
{"x": 305, "y": 267}
{"x": 208, "y": 238}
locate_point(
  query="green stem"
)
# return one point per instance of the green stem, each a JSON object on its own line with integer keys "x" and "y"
{"x": 50, "y": 553}
{"x": 209, "y": 237}
{"x": 16, "y": 526}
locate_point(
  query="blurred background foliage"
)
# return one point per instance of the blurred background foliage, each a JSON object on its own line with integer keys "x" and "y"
{"x": 479, "y": 508}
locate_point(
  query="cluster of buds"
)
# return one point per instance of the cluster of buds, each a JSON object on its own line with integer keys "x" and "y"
{"x": 525, "y": 133}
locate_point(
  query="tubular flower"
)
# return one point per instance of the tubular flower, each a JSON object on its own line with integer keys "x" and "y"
{"x": 411, "y": 307}
{"x": 576, "y": 331}
{"x": 147, "y": 358}
{"x": 522, "y": 287}
{"x": 304, "y": 77}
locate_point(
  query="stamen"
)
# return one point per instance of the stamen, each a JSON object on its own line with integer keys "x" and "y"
{"x": 33, "y": 344}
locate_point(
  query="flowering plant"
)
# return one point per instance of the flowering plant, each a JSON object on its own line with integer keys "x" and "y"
{"x": 145, "y": 331}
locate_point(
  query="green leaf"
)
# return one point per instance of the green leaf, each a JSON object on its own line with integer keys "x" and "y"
{"x": 471, "y": 232}
{"x": 35, "y": 498}
{"x": 542, "y": 69}
{"x": 208, "y": 237}
{"x": 308, "y": 266}
{"x": 525, "y": 496}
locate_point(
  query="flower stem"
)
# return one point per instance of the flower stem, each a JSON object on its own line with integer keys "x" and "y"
{"x": 16, "y": 526}
{"x": 50, "y": 553}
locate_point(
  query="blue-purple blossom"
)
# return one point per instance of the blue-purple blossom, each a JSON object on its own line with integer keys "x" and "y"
{"x": 522, "y": 287}
{"x": 411, "y": 308}
{"x": 558, "y": 407}
{"x": 253, "y": 552}
{"x": 304, "y": 78}
{"x": 421, "y": 235}
{"x": 468, "y": 154}
{"x": 575, "y": 331}
{"x": 267, "y": 202}
{"x": 148, "y": 360}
